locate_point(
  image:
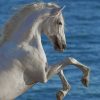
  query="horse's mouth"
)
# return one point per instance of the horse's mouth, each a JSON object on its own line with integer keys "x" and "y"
{"x": 59, "y": 46}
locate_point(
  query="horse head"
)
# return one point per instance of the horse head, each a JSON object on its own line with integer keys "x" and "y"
{"x": 54, "y": 29}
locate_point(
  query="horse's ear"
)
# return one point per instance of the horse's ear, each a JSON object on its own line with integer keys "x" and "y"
{"x": 57, "y": 11}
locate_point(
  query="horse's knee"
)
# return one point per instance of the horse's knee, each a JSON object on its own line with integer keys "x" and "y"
{"x": 67, "y": 87}
{"x": 72, "y": 60}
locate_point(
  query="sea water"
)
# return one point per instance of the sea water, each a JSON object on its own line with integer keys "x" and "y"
{"x": 82, "y": 29}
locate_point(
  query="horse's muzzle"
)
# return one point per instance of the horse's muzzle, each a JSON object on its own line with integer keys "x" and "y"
{"x": 64, "y": 46}
{"x": 59, "y": 46}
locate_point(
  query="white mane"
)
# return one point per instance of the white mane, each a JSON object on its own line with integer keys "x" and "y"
{"x": 10, "y": 26}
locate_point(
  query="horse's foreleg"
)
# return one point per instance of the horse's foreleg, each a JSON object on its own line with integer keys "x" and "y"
{"x": 66, "y": 86}
{"x": 70, "y": 61}
{"x": 83, "y": 68}
{"x": 57, "y": 69}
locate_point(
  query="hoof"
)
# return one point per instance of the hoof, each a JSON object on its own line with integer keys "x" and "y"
{"x": 60, "y": 95}
{"x": 85, "y": 79}
{"x": 85, "y": 82}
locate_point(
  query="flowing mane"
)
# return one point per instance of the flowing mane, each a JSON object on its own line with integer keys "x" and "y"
{"x": 14, "y": 22}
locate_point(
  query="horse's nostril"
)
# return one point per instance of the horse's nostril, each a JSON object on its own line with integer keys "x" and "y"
{"x": 64, "y": 46}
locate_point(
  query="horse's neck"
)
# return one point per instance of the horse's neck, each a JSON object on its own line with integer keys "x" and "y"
{"x": 38, "y": 44}
{"x": 29, "y": 30}
{"x": 27, "y": 27}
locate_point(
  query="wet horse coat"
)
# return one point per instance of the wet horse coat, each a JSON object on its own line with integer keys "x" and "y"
{"x": 22, "y": 59}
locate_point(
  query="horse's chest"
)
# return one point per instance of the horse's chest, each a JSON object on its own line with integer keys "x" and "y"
{"x": 34, "y": 63}
{"x": 34, "y": 57}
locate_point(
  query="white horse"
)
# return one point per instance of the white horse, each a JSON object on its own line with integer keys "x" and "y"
{"x": 22, "y": 59}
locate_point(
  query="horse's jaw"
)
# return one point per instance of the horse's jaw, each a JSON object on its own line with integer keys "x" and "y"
{"x": 59, "y": 47}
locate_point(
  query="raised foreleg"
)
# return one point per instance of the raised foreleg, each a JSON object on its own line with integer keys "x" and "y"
{"x": 57, "y": 69}
{"x": 66, "y": 86}
{"x": 70, "y": 61}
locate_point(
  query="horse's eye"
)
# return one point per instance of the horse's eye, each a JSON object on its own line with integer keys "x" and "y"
{"x": 59, "y": 23}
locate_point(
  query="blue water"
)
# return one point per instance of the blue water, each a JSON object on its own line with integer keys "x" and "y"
{"x": 82, "y": 18}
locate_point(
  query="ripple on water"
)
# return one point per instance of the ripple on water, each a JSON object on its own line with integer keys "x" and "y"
{"x": 83, "y": 43}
